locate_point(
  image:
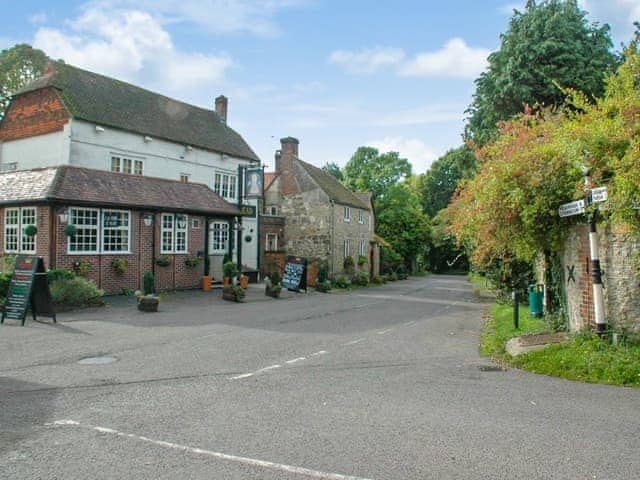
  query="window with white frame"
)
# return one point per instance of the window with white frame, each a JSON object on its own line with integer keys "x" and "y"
{"x": 272, "y": 242}
{"x": 224, "y": 184}
{"x": 360, "y": 216}
{"x": 126, "y": 165}
{"x": 273, "y": 210}
{"x": 219, "y": 237}
{"x": 362, "y": 248}
{"x": 173, "y": 233}
{"x": 347, "y": 248}
{"x": 347, "y": 214}
{"x": 15, "y": 222}
{"x": 87, "y": 225}
{"x": 115, "y": 231}
{"x": 184, "y": 177}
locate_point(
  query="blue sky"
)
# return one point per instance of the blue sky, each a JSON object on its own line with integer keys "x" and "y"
{"x": 337, "y": 75}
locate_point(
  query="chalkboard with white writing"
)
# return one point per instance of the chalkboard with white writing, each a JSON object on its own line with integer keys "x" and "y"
{"x": 295, "y": 274}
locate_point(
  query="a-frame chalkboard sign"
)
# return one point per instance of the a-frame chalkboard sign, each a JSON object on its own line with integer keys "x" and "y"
{"x": 29, "y": 287}
{"x": 295, "y": 274}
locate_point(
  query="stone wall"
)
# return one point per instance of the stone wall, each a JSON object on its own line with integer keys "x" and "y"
{"x": 617, "y": 247}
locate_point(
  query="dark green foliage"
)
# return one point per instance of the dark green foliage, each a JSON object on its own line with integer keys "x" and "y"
{"x": 192, "y": 261}
{"x": 323, "y": 286}
{"x": 163, "y": 260}
{"x": 444, "y": 253}
{"x": 372, "y": 171}
{"x": 127, "y": 292}
{"x": 362, "y": 260}
{"x": 230, "y": 270}
{"x": 70, "y": 230}
{"x": 5, "y": 279}
{"x": 549, "y": 44}
{"x": 275, "y": 277}
{"x": 60, "y": 274}
{"x": 401, "y": 272}
{"x": 233, "y": 292}
{"x": 509, "y": 275}
{"x": 360, "y": 279}
{"x": 148, "y": 283}
{"x": 376, "y": 280}
{"x": 18, "y": 66}
{"x": 334, "y": 170}
{"x": 341, "y": 282}
{"x": 322, "y": 273}
{"x": 119, "y": 265}
{"x": 75, "y": 292}
{"x": 30, "y": 230}
{"x": 392, "y": 277}
{"x": 389, "y": 259}
{"x": 348, "y": 263}
{"x": 439, "y": 183}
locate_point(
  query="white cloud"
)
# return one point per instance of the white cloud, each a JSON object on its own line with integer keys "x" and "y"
{"x": 421, "y": 116}
{"x": 38, "y": 18}
{"x": 368, "y": 60}
{"x": 420, "y": 155}
{"x": 456, "y": 59}
{"x": 620, "y": 14}
{"x": 130, "y": 45}
{"x": 216, "y": 16}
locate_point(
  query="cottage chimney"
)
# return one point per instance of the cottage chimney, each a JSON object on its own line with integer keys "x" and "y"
{"x": 222, "y": 103}
{"x": 285, "y": 159}
{"x": 289, "y": 146}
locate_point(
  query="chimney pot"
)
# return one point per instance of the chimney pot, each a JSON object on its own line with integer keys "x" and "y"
{"x": 222, "y": 104}
{"x": 290, "y": 146}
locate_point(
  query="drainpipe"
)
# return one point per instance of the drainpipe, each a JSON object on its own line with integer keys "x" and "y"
{"x": 332, "y": 242}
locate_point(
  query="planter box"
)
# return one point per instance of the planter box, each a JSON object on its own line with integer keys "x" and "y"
{"x": 148, "y": 304}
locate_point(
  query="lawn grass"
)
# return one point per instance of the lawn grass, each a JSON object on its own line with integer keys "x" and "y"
{"x": 585, "y": 357}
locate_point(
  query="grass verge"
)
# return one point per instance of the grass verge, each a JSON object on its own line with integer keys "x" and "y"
{"x": 585, "y": 357}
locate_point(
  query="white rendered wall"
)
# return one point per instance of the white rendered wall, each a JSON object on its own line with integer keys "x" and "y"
{"x": 46, "y": 150}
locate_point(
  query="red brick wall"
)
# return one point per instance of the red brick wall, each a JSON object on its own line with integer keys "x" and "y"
{"x": 42, "y": 237}
{"x": 34, "y": 113}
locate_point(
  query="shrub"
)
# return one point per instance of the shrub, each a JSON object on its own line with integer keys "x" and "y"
{"x": 348, "y": 263}
{"x": 148, "y": 283}
{"x": 234, "y": 290}
{"x": 392, "y": 277}
{"x": 376, "y": 280}
{"x": 361, "y": 279}
{"x": 323, "y": 286}
{"x": 119, "y": 265}
{"x": 75, "y": 292}
{"x": 8, "y": 263}
{"x": 322, "y": 274}
{"x": 163, "y": 261}
{"x": 401, "y": 272}
{"x": 230, "y": 270}
{"x": 5, "y": 279}
{"x": 127, "y": 292}
{"x": 60, "y": 274}
{"x": 275, "y": 277}
{"x": 341, "y": 282}
{"x": 362, "y": 260}
{"x": 83, "y": 268}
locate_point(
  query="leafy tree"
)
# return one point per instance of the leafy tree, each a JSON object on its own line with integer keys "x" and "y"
{"x": 550, "y": 44}
{"x": 18, "y": 66}
{"x": 370, "y": 171}
{"x": 334, "y": 170}
{"x": 439, "y": 183}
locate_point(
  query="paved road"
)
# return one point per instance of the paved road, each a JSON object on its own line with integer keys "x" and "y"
{"x": 381, "y": 383}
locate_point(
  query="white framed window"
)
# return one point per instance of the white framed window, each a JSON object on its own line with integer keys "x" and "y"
{"x": 347, "y": 214}
{"x": 126, "y": 165}
{"x": 195, "y": 223}
{"x": 273, "y": 210}
{"x": 360, "y": 216}
{"x": 184, "y": 177}
{"x": 85, "y": 239}
{"x": 116, "y": 231}
{"x": 271, "y": 242}
{"x": 174, "y": 233}
{"x": 347, "y": 248}
{"x": 219, "y": 237}
{"x": 224, "y": 184}
{"x": 362, "y": 248}
{"x": 15, "y": 222}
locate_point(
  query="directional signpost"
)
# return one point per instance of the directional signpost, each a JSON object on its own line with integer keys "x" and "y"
{"x": 599, "y": 194}
{"x": 572, "y": 208}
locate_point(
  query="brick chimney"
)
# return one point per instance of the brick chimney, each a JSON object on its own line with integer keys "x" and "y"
{"x": 285, "y": 156}
{"x": 222, "y": 104}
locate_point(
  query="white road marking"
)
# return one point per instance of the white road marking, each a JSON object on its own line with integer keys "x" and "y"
{"x": 244, "y": 375}
{"x": 353, "y": 342}
{"x": 321, "y": 352}
{"x": 382, "y": 332}
{"x": 270, "y": 367}
{"x": 223, "y": 456}
{"x": 295, "y": 360}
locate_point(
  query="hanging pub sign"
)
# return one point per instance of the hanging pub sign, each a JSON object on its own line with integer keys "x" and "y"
{"x": 253, "y": 183}
{"x": 28, "y": 287}
{"x": 295, "y": 274}
{"x": 248, "y": 211}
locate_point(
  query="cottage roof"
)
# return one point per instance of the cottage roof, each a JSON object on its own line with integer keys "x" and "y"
{"x": 114, "y": 103}
{"x": 333, "y": 188}
{"x": 84, "y": 186}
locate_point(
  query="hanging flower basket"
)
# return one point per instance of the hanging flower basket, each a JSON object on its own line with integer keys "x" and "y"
{"x": 191, "y": 261}
{"x": 70, "y": 230}
{"x": 247, "y": 238}
{"x": 30, "y": 230}
{"x": 163, "y": 261}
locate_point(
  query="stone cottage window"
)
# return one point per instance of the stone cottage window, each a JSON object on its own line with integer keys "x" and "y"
{"x": 362, "y": 248}
{"x": 15, "y": 221}
{"x": 219, "y": 237}
{"x": 347, "y": 214}
{"x": 360, "y": 216}
{"x": 347, "y": 248}
{"x": 272, "y": 242}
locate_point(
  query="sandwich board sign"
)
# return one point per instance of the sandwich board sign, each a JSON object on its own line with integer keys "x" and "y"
{"x": 572, "y": 208}
{"x": 28, "y": 287}
{"x": 295, "y": 274}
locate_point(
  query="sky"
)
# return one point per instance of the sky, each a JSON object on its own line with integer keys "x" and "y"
{"x": 337, "y": 75}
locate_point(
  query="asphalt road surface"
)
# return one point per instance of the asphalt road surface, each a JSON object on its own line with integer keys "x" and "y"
{"x": 379, "y": 383}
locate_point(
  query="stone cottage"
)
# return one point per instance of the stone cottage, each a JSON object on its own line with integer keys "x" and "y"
{"x": 315, "y": 216}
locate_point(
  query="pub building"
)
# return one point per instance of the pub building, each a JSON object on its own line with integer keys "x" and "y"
{"x": 68, "y": 215}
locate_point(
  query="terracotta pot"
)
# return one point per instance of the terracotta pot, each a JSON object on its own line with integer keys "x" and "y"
{"x": 244, "y": 281}
{"x": 226, "y": 281}
{"x": 206, "y": 283}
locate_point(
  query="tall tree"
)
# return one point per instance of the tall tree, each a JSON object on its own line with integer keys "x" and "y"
{"x": 18, "y": 66}
{"x": 334, "y": 170}
{"x": 547, "y": 47}
{"x": 372, "y": 171}
{"x": 439, "y": 183}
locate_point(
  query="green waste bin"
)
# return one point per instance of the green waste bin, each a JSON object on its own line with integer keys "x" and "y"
{"x": 535, "y": 299}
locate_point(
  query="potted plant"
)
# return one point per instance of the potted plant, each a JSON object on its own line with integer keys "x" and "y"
{"x": 323, "y": 283}
{"x": 229, "y": 271}
{"x": 244, "y": 280}
{"x": 163, "y": 261}
{"x": 233, "y": 293}
{"x": 30, "y": 230}
{"x": 272, "y": 285}
{"x": 119, "y": 265}
{"x": 148, "y": 302}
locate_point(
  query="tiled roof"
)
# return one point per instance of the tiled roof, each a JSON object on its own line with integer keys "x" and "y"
{"x": 333, "y": 188}
{"x": 269, "y": 177}
{"x": 366, "y": 197}
{"x": 99, "y": 187}
{"x": 113, "y": 103}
